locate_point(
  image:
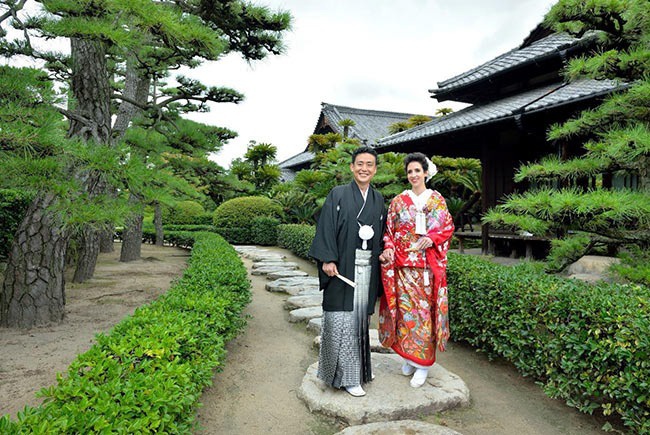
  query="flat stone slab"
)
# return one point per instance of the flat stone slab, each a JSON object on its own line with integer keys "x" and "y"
{"x": 295, "y": 290}
{"x": 304, "y": 301}
{"x": 260, "y": 264}
{"x": 272, "y": 269}
{"x": 286, "y": 274}
{"x": 302, "y": 281}
{"x": 314, "y": 325}
{"x": 271, "y": 256}
{"x": 375, "y": 344}
{"x": 305, "y": 314}
{"x": 310, "y": 291}
{"x": 389, "y": 397}
{"x": 401, "y": 427}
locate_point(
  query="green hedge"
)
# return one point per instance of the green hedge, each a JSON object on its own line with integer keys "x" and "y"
{"x": 587, "y": 344}
{"x": 297, "y": 238}
{"x": 147, "y": 375}
{"x": 248, "y": 220}
{"x": 184, "y": 213}
{"x": 202, "y": 227}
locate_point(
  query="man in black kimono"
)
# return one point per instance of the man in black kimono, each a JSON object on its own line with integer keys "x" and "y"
{"x": 347, "y": 245}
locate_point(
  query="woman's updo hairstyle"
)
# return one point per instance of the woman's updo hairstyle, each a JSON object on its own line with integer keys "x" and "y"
{"x": 427, "y": 165}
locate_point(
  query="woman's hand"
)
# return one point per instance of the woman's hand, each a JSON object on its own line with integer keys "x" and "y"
{"x": 387, "y": 256}
{"x": 423, "y": 243}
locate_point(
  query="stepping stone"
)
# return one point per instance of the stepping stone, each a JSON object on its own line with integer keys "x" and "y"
{"x": 315, "y": 325}
{"x": 375, "y": 344}
{"x": 401, "y": 427}
{"x": 389, "y": 397}
{"x": 272, "y": 269}
{"x": 310, "y": 291}
{"x": 296, "y": 291}
{"x": 305, "y": 314}
{"x": 286, "y": 274}
{"x": 302, "y": 281}
{"x": 256, "y": 256}
{"x": 294, "y": 302}
{"x": 245, "y": 248}
{"x": 260, "y": 264}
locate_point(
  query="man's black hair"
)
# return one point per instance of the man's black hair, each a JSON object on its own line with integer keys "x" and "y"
{"x": 364, "y": 150}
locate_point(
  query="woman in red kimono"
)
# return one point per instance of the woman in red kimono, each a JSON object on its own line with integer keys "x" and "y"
{"x": 413, "y": 313}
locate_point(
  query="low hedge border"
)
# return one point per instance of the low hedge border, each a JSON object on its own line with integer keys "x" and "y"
{"x": 148, "y": 373}
{"x": 586, "y": 344}
{"x": 297, "y": 238}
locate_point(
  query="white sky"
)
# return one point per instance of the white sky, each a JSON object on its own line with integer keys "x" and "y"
{"x": 369, "y": 54}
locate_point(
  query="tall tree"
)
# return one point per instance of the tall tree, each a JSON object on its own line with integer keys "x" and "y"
{"x": 577, "y": 201}
{"x": 103, "y": 35}
{"x": 37, "y": 157}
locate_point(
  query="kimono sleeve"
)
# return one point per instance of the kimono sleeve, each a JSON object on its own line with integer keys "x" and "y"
{"x": 324, "y": 248}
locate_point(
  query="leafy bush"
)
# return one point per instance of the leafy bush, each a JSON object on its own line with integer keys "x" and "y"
{"x": 235, "y": 218}
{"x": 198, "y": 227}
{"x": 184, "y": 213}
{"x": 296, "y": 238}
{"x": 587, "y": 344}
{"x": 148, "y": 374}
{"x": 634, "y": 266}
{"x": 13, "y": 205}
{"x": 264, "y": 231}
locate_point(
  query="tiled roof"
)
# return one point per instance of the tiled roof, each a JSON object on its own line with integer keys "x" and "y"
{"x": 526, "y": 102}
{"x": 298, "y": 159}
{"x": 370, "y": 125}
{"x": 509, "y": 60}
{"x": 287, "y": 175}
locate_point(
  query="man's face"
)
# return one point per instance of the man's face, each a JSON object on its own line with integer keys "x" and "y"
{"x": 364, "y": 168}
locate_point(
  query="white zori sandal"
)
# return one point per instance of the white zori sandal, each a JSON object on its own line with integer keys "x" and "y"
{"x": 356, "y": 391}
{"x": 419, "y": 378}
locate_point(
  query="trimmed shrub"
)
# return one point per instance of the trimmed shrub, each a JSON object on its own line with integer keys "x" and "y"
{"x": 184, "y": 213}
{"x": 587, "y": 344}
{"x": 264, "y": 231}
{"x": 235, "y": 218}
{"x": 13, "y": 205}
{"x": 208, "y": 227}
{"x": 147, "y": 375}
{"x": 297, "y": 238}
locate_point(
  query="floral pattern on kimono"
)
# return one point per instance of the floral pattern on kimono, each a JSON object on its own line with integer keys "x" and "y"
{"x": 414, "y": 315}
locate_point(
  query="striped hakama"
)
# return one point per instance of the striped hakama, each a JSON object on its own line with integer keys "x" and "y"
{"x": 344, "y": 357}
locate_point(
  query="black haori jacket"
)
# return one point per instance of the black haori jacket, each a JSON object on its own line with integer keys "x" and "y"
{"x": 337, "y": 238}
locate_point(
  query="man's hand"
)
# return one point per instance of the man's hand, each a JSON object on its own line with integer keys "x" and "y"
{"x": 387, "y": 256}
{"x": 330, "y": 269}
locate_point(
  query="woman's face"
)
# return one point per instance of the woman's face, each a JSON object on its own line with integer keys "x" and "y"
{"x": 415, "y": 174}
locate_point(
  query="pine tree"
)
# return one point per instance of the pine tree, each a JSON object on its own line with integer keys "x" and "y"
{"x": 140, "y": 40}
{"x": 577, "y": 200}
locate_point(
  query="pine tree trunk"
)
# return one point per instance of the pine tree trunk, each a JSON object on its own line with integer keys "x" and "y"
{"x": 91, "y": 89}
{"x": 88, "y": 253}
{"x": 106, "y": 240}
{"x": 91, "y": 122}
{"x": 132, "y": 239}
{"x": 158, "y": 224}
{"x": 33, "y": 287}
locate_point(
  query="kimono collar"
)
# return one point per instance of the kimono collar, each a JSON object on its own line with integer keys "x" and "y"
{"x": 420, "y": 200}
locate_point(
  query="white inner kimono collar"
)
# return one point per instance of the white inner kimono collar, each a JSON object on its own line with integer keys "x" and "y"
{"x": 421, "y": 199}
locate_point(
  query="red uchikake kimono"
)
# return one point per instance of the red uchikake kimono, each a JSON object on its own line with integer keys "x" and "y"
{"x": 413, "y": 315}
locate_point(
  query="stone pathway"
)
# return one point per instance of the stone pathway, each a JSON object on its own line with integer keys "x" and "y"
{"x": 390, "y": 401}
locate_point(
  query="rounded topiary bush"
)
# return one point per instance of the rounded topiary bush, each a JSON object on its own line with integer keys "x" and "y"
{"x": 235, "y": 219}
{"x": 184, "y": 213}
